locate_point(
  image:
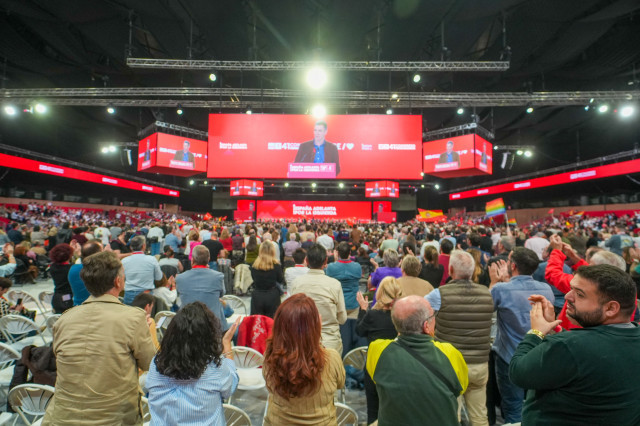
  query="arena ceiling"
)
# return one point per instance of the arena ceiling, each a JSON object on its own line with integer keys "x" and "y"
{"x": 569, "y": 45}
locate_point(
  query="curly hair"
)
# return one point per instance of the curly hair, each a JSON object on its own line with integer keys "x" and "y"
{"x": 192, "y": 341}
{"x": 294, "y": 358}
{"x": 61, "y": 253}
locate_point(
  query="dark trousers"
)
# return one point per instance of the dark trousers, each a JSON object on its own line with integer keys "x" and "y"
{"x": 350, "y": 339}
{"x": 371, "y": 394}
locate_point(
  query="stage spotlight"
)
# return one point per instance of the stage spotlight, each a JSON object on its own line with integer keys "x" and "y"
{"x": 416, "y": 78}
{"x": 436, "y": 186}
{"x": 192, "y": 182}
{"x": 341, "y": 185}
{"x": 10, "y": 110}
{"x": 421, "y": 173}
{"x": 422, "y": 186}
{"x": 213, "y": 188}
{"x": 213, "y": 76}
{"x": 528, "y": 153}
{"x": 313, "y": 184}
{"x": 111, "y": 110}
{"x": 319, "y": 111}
{"x": 495, "y": 147}
{"x": 112, "y": 148}
{"x": 460, "y": 111}
{"x": 519, "y": 152}
{"x": 105, "y": 150}
{"x": 286, "y": 184}
{"x": 316, "y": 78}
{"x": 389, "y": 111}
{"x": 205, "y": 182}
{"x": 603, "y": 108}
{"x": 529, "y": 109}
{"x": 626, "y": 111}
{"x": 586, "y": 107}
{"x": 394, "y": 96}
{"x": 591, "y": 100}
{"x": 40, "y": 108}
{"x": 249, "y": 111}
{"x": 179, "y": 111}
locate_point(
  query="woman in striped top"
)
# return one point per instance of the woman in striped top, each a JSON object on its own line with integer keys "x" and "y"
{"x": 193, "y": 370}
{"x": 302, "y": 376}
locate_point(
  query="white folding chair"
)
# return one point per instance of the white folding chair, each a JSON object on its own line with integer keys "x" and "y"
{"x": 16, "y": 328}
{"x": 28, "y": 301}
{"x": 30, "y": 400}
{"x": 8, "y": 358}
{"x": 357, "y": 358}
{"x": 146, "y": 413}
{"x": 346, "y": 415}
{"x": 235, "y": 416}
{"x": 248, "y": 364}
{"x": 44, "y": 299}
{"x": 162, "y": 319}
{"x": 51, "y": 320}
{"x": 237, "y": 304}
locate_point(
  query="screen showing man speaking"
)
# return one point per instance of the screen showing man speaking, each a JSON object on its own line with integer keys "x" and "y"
{"x": 302, "y": 147}
{"x": 457, "y": 156}
{"x": 171, "y": 154}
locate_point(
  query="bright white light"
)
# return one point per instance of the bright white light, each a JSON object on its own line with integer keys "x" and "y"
{"x": 519, "y": 152}
{"x": 394, "y": 96}
{"x": 422, "y": 186}
{"x": 421, "y": 173}
{"x": 416, "y": 78}
{"x": 112, "y": 148}
{"x": 495, "y": 148}
{"x": 286, "y": 184}
{"x": 626, "y": 111}
{"x": 341, "y": 185}
{"x": 389, "y": 111}
{"x": 111, "y": 110}
{"x": 179, "y": 111}
{"x": 436, "y": 186}
{"x": 205, "y": 182}
{"x": 316, "y": 78}
{"x": 319, "y": 111}
{"x": 528, "y": 153}
{"x": 10, "y": 110}
{"x": 249, "y": 111}
{"x": 191, "y": 182}
{"x": 213, "y": 76}
{"x": 591, "y": 100}
{"x": 460, "y": 111}
{"x": 41, "y": 109}
{"x": 313, "y": 184}
{"x": 603, "y": 108}
{"x": 586, "y": 108}
{"x": 105, "y": 150}
{"x": 529, "y": 110}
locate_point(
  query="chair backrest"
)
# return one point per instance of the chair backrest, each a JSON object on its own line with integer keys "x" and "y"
{"x": 28, "y": 301}
{"x": 235, "y": 416}
{"x": 146, "y": 413}
{"x": 30, "y": 399}
{"x": 44, "y": 298}
{"x": 16, "y": 327}
{"x": 236, "y": 304}
{"x": 8, "y": 356}
{"x": 163, "y": 318}
{"x": 345, "y": 415}
{"x": 51, "y": 320}
{"x": 357, "y": 358}
{"x": 245, "y": 357}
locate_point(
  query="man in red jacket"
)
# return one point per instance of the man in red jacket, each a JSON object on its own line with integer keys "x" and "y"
{"x": 560, "y": 280}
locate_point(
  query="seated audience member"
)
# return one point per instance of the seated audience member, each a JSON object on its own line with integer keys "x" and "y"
{"x": 588, "y": 376}
{"x": 348, "y": 273}
{"x": 418, "y": 379}
{"x": 119, "y": 245}
{"x": 201, "y": 284}
{"x": 167, "y": 292}
{"x": 302, "y": 376}
{"x": 373, "y": 324}
{"x": 6, "y": 308}
{"x": 193, "y": 371}
{"x": 97, "y": 380}
{"x": 28, "y": 267}
{"x": 390, "y": 268}
{"x": 59, "y": 270}
{"x": 327, "y": 294}
{"x": 80, "y": 293}
{"x": 290, "y": 274}
{"x": 511, "y": 287}
{"x": 146, "y": 302}
{"x": 555, "y": 275}
{"x": 169, "y": 259}
{"x": 266, "y": 273}
{"x": 9, "y": 267}
{"x": 411, "y": 268}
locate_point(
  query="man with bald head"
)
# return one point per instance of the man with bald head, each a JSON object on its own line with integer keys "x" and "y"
{"x": 417, "y": 378}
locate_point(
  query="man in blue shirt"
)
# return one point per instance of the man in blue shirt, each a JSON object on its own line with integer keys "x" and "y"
{"x": 450, "y": 156}
{"x": 141, "y": 271}
{"x": 172, "y": 240}
{"x": 511, "y": 286}
{"x": 318, "y": 150}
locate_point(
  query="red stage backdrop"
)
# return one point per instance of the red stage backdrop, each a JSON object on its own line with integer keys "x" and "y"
{"x": 382, "y": 188}
{"x": 67, "y": 172}
{"x": 249, "y": 205}
{"x": 471, "y": 155}
{"x": 172, "y": 155}
{"x": 338, "y": 210}
{"x": 362, "y": 146}
{"x": 246, "y": 187}
{"x": 381, "y": 206}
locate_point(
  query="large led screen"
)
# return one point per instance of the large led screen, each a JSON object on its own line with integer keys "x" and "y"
{"x": 458, "y": 156}
{"x": 339, "y": 210}
{"x": 301, "y": 147}
{"x": 171, "y": 154}
{"x": 380, "y": 189}
{"x": 246, "y": 187}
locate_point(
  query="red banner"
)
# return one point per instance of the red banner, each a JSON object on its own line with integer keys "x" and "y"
{"x": 382, "y": 188}
{"x": 67, "y": 172}
{"x": 247, "y": 205}
{"x": 245, "y": 187}
{"x": 625, "y": 167}
{"x": 458, "y": 156}
{"x": 173, "y": 155}
{"x": 332, "y": 210}
{"x": 275, "y": 146}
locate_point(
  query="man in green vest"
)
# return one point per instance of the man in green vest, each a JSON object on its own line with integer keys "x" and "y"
{"x": 588, "y": 375}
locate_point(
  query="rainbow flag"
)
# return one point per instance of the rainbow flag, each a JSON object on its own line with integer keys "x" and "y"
{"x": 512, "y": 222}
{"x": 495, "y": 207}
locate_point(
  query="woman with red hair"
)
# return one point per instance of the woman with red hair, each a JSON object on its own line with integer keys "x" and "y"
{"x": 302, "y": 376}
{"x": 62, "y": 295}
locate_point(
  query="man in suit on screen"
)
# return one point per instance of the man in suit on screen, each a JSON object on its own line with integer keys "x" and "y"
{"x": 450, "y": 156}
{"x": 318, "y": 150}
{"x": 184, "y": 154}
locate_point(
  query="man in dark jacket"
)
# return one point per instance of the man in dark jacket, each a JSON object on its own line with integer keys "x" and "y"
{"x": 318, "y": 150}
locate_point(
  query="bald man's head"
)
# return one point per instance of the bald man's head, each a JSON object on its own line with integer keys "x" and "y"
{"x": 410, "y": 313}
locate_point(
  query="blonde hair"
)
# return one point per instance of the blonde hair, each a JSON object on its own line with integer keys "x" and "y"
{"x": 266, "y": 257}
{"x": 224, "y": 234}
{"x": 388, "y": 292}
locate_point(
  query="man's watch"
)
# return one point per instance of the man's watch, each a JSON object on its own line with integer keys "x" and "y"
{"x": 538, "y": 333}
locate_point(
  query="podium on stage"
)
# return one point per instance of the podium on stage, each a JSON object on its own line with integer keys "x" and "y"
{"x": 311, "y": 171}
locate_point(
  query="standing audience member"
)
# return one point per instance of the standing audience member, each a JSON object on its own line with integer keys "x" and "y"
{"x": 195, "y": 361}
{"x": 62, "y": 294}
{"x": 430, "y": 270}
{"x": 374, "y": 324}
{"x": 418, "y": 379}
{"x": 445, "y": 252}
{"x": 299, "y": 268}
{"x": 141, "y": 270}
{"x": 80, "y": 292}
{"x": 390, "y": 268}
{"x": 411, "y": 270}
{"x": 327, "y": 294}
{"x": 99, "y": 347}
{"x": 267, "y": 274}
{"x": 215, "y": 247}
{"x": 302, "y": 376}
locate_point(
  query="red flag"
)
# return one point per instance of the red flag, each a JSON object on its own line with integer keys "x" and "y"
{"x": 207, "y": 216}
{"x": 551, "y": 211}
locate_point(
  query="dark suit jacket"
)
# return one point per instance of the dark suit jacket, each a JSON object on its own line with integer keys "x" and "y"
{"x": 454, "y": 155}
{"x": 306, "y": 152}
{"x": 147, "y": 155}
{"x": 180, "y": 154}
